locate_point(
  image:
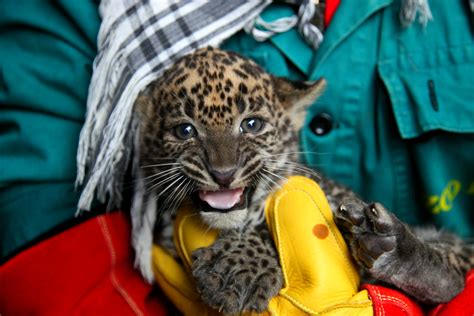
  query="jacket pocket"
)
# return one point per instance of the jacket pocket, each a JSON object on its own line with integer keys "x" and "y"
{"x": 433, "y": 91}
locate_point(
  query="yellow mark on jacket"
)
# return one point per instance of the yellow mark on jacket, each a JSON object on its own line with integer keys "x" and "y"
{"x": 444, "y": 202}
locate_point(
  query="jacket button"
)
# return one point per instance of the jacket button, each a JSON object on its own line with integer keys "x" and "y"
{"x": 321, "y": 124}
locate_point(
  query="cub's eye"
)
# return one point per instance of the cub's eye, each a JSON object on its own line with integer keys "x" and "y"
{"x": 251, "y": 125}
{"x": 184, "y": 131}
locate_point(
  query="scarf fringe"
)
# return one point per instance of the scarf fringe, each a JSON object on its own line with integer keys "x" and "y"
{"x": 411, "y": 8}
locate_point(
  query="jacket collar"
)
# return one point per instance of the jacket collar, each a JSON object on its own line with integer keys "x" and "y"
{"x": 349, "y": 15}
{"x": 290, "y": 43}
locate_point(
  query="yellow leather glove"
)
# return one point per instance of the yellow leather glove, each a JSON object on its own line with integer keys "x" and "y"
{"x": 319, "y": 276}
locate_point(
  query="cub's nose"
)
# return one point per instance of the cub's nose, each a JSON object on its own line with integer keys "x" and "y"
{"x": 223, "y": 177}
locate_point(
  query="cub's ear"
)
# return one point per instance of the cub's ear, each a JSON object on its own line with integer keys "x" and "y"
{"x": 297, "y": 96}
{"x": 144, "y": 103}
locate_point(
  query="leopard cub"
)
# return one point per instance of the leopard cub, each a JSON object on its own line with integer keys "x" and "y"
{"x": 218, "y": 131}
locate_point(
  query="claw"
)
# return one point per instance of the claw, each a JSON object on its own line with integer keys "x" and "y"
{"x": 374, "y": 211}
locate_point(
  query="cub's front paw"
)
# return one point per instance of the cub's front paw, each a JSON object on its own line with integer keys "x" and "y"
{"x": 235, "y": 276}
{"x": 372, "y": 232}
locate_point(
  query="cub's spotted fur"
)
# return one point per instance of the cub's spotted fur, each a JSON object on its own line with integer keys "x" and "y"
{"x": 218, "y": 131}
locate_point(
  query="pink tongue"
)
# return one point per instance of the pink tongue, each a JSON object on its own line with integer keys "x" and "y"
{"x": 222, "y": 199}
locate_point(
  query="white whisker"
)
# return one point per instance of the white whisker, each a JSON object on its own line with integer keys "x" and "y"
{"x": 267, "y": 187}
{"x": 159, "y": 178}
{"x": 270, "y": 179}
{"x": 161, "y": 165}
{"x": 275, "y": 164}
{"x": 170, "y": 178}
{"x": 170, "y": 198}
{"x": 291, "y": 162}
{"x": 179, "y": 195}
{"x": 170, "y": 185}
{"x": 275, "y": 175}
{"x": 166, "y": 171}
{"x": 301, "y": 152}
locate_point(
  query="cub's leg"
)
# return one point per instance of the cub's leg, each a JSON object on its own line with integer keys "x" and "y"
{"x": 427, "y": 264}
{"x": 239, "y": 272}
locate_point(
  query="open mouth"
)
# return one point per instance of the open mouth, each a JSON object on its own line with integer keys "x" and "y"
{"x": 224, "y": 200}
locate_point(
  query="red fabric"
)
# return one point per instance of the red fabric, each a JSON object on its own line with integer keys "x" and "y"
{"x": 331, "y": 7}
{"x": 86, "y": 270}
{"x": 390, "y": 302}
{"x": 463, "y": 304}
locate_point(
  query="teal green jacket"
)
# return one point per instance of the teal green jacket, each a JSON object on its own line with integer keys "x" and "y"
{"x": 396, "y": 122}
{"x": 46, "y": 54}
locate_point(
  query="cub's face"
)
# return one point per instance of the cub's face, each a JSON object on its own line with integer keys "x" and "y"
{"x": 218, "y": 130}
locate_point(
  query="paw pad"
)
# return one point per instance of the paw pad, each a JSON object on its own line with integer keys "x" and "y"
{"x": 370, "y": 230}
